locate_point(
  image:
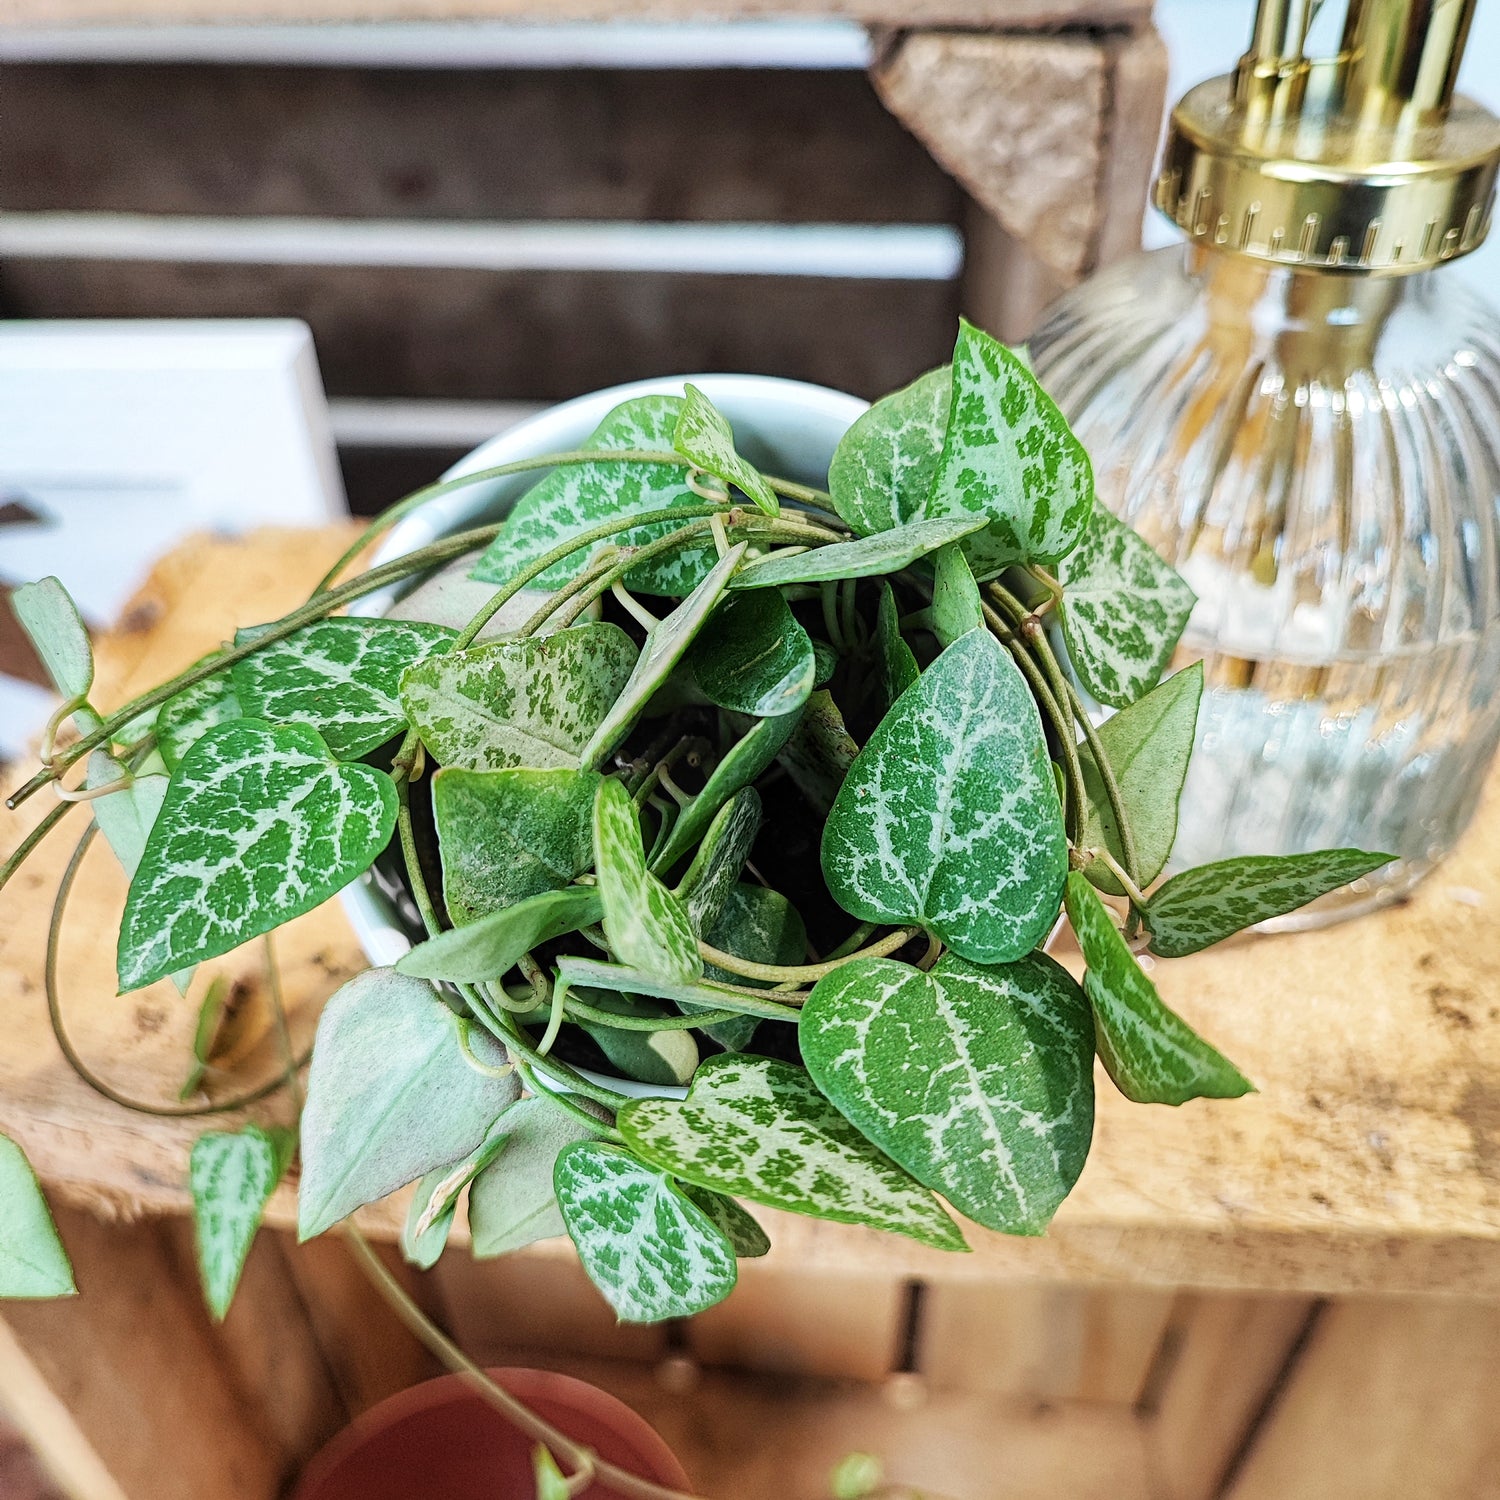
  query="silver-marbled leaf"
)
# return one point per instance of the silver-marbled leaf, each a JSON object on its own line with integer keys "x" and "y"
{"x": 752, "y": 657}
{"x": 819, "y": 752}
{"x": 490, "y": 946}
{"x": 864, "y": 557}
{"x": 760, "y": 925}
{"x": 704, "y": 435}
{"x": 232, "y": 1175}
{"x": 187, "y": 716}
{"x": 979, "y": 1080}
{"x": 705, "y": 886}
{"x": 949, "y": 816}
{"x": 736, "y": 1224}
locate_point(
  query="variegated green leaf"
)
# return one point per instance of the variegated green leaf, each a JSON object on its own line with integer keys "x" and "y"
{"x": 955, "y": 597}
{"x": 758, "y": 1129}
{"x": 591, "y": 973}
{"x": 1123, "y": 611}
{"x": 733, "y": 1222}
{"x": 46, "y": 612}
{"x": 1149, "y": 745}
{"x": 33, "y": 1262}
{"x": 645, "y": 923}
{"x": 572, "y": 499}
{"x": 259, "y": 825}
{"x": 705, "y": 887}
{"x": 532, "y": 702}
{"x": 507, "y": 835}
{"x": 493, "y": 945}
{"x": 1009, "y": 455}
{"x": 819, "y": 752}
{"x": 184, "y": 719}
{"x": 663, "y": 648}
{"x": 452, "y": 597}
{"x": 232, "y": 1176}
{"x": 739, "y": 766}
{"x": 762, "y": 926}
{"x": 434, "y": 1204}
{"x": 390, "y": 1095}
{"x": 1152, "y": 1054}
{"x": 652, "y": 1252}
{"x": 895, "y": 662}
{"x": 752, "y": 657}
{"x": 340, "y": 676}
{"x": 1201, "y": 907}
{"x": 883, "y": 468}
{"x": 949, "y": 816}
{"x": 865, "y": 557}
{"x": 512, "y": 1202}
{"x": 705, "y": 436}
{"x": 978, "y": 1080}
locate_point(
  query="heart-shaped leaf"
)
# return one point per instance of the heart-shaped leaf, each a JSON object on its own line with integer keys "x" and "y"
{"x": 493, "y": 945}
{"x": 895, "y": 661}
{"x": 865, "y": 557}
{"x": 819, "y": 752}
{"x": 46, "y": 612}
{"x": 979, "y": 1081}
{"x": 1010, "y": 456}
{"x": 758, "y": 1129}
{"x": 955, "y": 597}
{"x": 645, "y": 923}
{"x": 1204, "y": 906}
{"x": 740, "y": 765}
{"x": 389, "y": 1095}
{"x": 33, "y": 1262}
{"x": 732, "y": 1221}
{"x": 762, "y": 926}
{"x": 532, "y": 702}
{"x": 259, "y": 825}
{"x": 232, "y": 1176}
{"x": 184, "y": 719}
{"x": 512, "y": 1202}
{"x": 434, "y": 1204}
{"x": 1123, "y": 611}
{"x": 507, "y": 835}
{"x": 705, "y": 888}
{"x": 752, "y": 657}
{"x": 663, "y": 648}
{"x": 340, "y": 676}
{"x": 577, "y": 497}
{"x": 705, "y": 436}
{"x": 652, "y": 1252}
{"x": 1152, "y": 1054}
{"x": 1149, "y": 745}
{"x": 949, "y": 816}
{"x": 883, "y": 468}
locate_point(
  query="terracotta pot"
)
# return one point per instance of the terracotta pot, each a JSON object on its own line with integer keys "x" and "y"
{"x": 442, "y": 1441}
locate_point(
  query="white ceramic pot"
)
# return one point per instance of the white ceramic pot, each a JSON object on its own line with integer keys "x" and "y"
{"x": 785, "y": 427}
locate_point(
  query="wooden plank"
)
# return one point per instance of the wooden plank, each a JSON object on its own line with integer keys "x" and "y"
{"x": 685, "y": 145}
{"x": 1224, "y": 1356}
{"x": 794, "y": 1321}
{"x": 1390, "y": 1399}
{"x": 1048, "y": 1343}
{"x": 1137, "y": 100}
{"x": 529, "y": 335}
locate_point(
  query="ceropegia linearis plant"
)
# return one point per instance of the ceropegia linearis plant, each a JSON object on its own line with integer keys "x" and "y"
{"x": 763, "y": 797}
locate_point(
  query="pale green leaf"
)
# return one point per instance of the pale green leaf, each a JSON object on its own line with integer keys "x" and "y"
{"x": 1123, "y": 611}
{"x": 549, "y": 1479}
{"x": 507, "y": 835}
{"x": 184, "y": 719}
{"x": 125, "y": 817}
{"x": 532, "y": 702}
{"x": 955, "y": 597}
{"x": 577, "y": 497}
{"x": 752, "y": 656}
{"x": 663, "y": 648}
{"x": 512, "y": 1202}
{"x": 733, "y": 1222}
{"x": 819, "y": 752}
{"x": 339, "y": 676}
{"x": 883, "y": 468}
{"x": 652, "y": 1252}
{"x": 895, "y": 662}
{"x": 48, "y": 615}
{"x": 451, "y": 597}
{"x": 33, "y": 1262}
{"x": 434, "y": 1204}
{"x": 856, "y": 1475}
{"x": 739, "y": 766}
{"x": 390, "y": 1095}
{"x": 646, "y": 925}
{"x": 708, "y": 881}
{"x": 1009, "y": 455}
{"x": 865, "y": 557}
{"x": 705, "y": 436}
{"x": 978, "y": 1080}
{"x": 1152, "y": 1054}
{"x": 259, "y": 825}
{"x": 232, "y": 1176}
{"x": 1149, "y": 745}
{"x": 668, "y": 1056}
{"x": 1201, "y": 907}
{"x": 758, "y": 1129}
{"x": 491, "y": 946}
{"x": 949, "y": 816}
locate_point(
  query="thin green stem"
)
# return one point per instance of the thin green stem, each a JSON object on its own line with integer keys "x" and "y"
{"x": 1128, "y": 848}
{"x": 22, "y": 851}
{"x": 1131, "y": 889}
{"x": 853, "y": 941}
{"x": 596, "y": 1017}
{"x": 818, "y": 499}
{"x": 829, "y": 593}
{"x": 804, "y": 973}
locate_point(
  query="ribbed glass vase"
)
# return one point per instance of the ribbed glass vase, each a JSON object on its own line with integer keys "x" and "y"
{"x": 1319, "y": 455}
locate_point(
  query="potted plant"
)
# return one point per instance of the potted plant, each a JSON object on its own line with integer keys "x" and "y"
{"x": 735, "y": 813}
